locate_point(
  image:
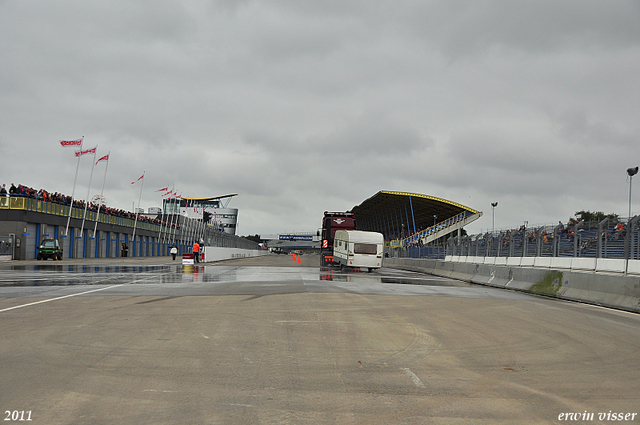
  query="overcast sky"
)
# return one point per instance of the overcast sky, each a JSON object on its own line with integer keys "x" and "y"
{"x": 305, "y": 106}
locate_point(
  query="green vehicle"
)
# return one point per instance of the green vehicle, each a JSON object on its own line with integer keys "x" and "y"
{"x": 49, "y": 249}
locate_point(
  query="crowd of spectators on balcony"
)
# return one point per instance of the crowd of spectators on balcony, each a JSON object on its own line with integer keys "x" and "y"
{"x": 59, "y": 198}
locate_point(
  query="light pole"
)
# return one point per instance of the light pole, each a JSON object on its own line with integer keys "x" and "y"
{"x": 631, "y": 172}
{"x": 493, "y": 216}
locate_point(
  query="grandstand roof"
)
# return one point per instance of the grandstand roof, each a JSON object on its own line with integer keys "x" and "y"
{"x": 401, "y": 204}
{"x": 211, "y": 198}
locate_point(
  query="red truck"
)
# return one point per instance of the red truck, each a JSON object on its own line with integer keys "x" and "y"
{"x": 332, "y": 222}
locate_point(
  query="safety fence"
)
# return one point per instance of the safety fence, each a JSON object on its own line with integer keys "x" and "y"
{"x": 151, "y": 239}
{"x": 609, "y": 238}
{"x": 54, "y": 208}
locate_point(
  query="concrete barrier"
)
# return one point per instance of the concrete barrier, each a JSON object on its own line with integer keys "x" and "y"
{"x": 583, "y": 263}
{"x": 614, "y": 290}
{"x": 216, "y": 253}
{"x": 560, "y": 263}
{"x": 611, "y": 265}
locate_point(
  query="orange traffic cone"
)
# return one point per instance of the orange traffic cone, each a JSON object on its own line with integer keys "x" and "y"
{"x": 299, "y": 258}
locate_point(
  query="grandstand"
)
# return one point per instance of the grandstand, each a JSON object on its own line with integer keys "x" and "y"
{"x": 609, "y": 238}
{"x": 410, "y": 218}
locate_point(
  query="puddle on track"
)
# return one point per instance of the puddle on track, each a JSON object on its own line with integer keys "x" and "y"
{"x": 70, "y": 275}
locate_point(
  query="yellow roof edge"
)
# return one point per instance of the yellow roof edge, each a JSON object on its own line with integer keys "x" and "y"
{"x": 209, "y": 198}
{"x": 433, "y": 198}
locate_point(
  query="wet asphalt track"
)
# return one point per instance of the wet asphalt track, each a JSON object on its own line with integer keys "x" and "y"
{"x": 269, "y": 340}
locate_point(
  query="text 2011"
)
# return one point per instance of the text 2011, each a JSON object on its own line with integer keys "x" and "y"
{"x": 17, "y": 415}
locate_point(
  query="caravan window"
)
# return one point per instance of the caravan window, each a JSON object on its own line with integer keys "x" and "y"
{"x": 365, "y": 248}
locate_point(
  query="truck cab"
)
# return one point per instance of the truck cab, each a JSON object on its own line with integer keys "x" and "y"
{"x": 331, "y": 223}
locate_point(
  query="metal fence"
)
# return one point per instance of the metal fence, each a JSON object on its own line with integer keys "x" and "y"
{"x": 48, "y": 207}
{"x": 183, "y": 232}
{"x": 609, "y": 238}
{"x": 434, "y": 251}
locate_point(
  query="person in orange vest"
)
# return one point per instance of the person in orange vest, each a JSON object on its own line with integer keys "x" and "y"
{"x": 196, "y": 251}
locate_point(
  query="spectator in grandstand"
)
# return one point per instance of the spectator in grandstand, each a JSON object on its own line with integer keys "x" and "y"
{"x": 59, "y": 198}
{"x": 3, "y": 190}
{"x": 570, "y": 234}
{"x": 619, "y": 231}
{"x": 560, "y": 228}
{"x": 589, "y": 243}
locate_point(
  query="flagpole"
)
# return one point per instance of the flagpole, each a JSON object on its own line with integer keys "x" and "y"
{"x": 174, "y": 220}
{"x": 167, "y": 235}
{"x": 136, "y": 222}
{"x": 163, "y": 225}
{"x": 191, "y": 230}
{"x": 104, "y": 179}
{"x": 161, "y": 221}
{"x": 173, "y": 223}
{"x": 202, "y": 227}
{"x": 160, "y": 241}
{"x": 168, "y": 229}
{"x": 172, "y": 230}
{"x": 66, "y": 231}
{"x": 86, "y": 202}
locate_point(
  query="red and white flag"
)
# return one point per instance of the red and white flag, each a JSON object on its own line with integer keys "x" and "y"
{"x": 104, "y": 158}
{"x": 139, "y": 178}
{"x": 67, "y": 143}
{"x": 164, "y": 189}
{"x": 80, "y": 153}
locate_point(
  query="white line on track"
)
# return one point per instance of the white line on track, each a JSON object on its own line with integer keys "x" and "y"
{"x": 69, "y": 296}
{"x": 414, "y": 377}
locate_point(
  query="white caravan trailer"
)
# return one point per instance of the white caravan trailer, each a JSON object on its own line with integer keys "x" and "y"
{"x": 355, "y": 248}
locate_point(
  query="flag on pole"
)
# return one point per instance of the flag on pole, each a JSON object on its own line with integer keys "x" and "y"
{"x": 139, "y": 178}
{"x": 80, "y": 153}
{"x": 77, "y": 143}
{"x": 164, "y": 189}
{"x": 104, "y": 158}
{"x": 67, "y": 143}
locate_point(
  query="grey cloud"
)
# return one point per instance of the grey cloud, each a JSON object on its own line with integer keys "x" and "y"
{"x": 468, "y": 27}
